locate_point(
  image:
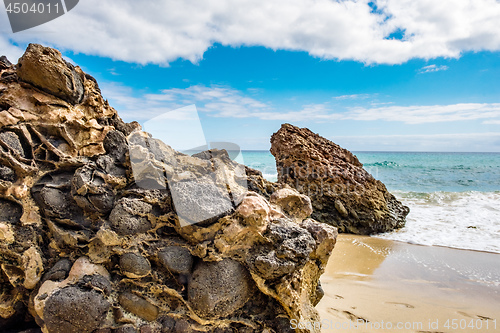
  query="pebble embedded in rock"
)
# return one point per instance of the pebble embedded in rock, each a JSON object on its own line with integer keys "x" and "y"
{"x": 10, "y": 211}
{"x": 295, "y": 243}
{"x": 115, "y": 144}
{"x": 176, "y": 259}
{"x": 293, "y": 203}
{"x": 7, "y": 174}
{"x": 126, "y": 219}
{"x": 138, "y": 306}
{"x": 341, "y": 209}
{"x": 59, "y": 271}
{"x": 91, "y": 192}
{"x": 134, "y": 265}
{"x": 270, "y": 267}
{"x": 12, "y": 141}
{"x": 217, "y": 289}
{"x": 200, "y": 201}
{"x": 72, "y": 310}
{"x": 98, "y": 283}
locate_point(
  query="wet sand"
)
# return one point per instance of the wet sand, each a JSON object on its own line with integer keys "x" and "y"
{"x": 376, "y": 285}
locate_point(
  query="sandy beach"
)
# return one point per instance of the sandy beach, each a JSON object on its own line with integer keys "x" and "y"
{"x": 376, "y": 285}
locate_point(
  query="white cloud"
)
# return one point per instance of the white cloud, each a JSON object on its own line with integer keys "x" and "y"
{"x": 217, "y": 101}
{"x": 420, "y": 114}
{"x": 432, "y": 68}
{"x": 164, "y": 30}
{"x": 226, "y": 102}
{"x": 349, "y": 97}
{"x": 12, "y": 52}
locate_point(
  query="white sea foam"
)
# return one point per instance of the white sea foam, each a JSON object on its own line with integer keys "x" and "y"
{"x": 466, "y": 220}
{"x": 272, "y": 177}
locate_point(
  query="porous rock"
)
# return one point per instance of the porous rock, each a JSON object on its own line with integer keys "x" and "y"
{"x": 176, "y": 259}
{"x": 134, "y": 265}
{"x": 106, "y": 229}
{"x": 45, "y": 68}
{"x": 217, "y": 289}
{"x": 72, "y": 310}
{"x": 342, "y": 193}
{"x": 128, "y": 217}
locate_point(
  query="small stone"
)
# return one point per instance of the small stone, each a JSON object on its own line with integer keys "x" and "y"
{"x": 217, "y": 289}
{"x": 167, "y": 324}
{"x": 324, "y": 235}
{"x": 7, "y": 174}
{"x": 11, "y": 140}
{"x": 59, "y": 271}
{"x": 293, "y": 203}
{"x": 72, "y": 310}
{"x": 199, "y": 201}
{"x": 134, "y": 265}
{"x": 10, "y": 211}
{"x": 91, "y": 192}
{"x": 255, "y": 211}
{"x": 270, "y": 267}
{"x": 138, "y": 306}
{"x": 293, "y": 242}
{"x": 176, "y": 259}
{"x": 341, "y": 209}
{"x": 32, "y": 266}
{"x": 127, "y": 217}
{"x": 115, "y": 144}
{"x": 98, "y": 283}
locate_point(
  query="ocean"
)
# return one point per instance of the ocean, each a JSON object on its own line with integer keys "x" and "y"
{"x": 454, "y": 198}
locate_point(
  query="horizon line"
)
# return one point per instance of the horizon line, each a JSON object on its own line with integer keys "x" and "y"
{"x": 395, "y": 151}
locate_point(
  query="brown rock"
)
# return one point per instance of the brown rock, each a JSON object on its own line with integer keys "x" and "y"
{"x": 86, "y": 201}
{"x": 293, "y": 204}
{"x": 258, "y": 184}
{"x": 45, "y": 68}
{"x": 138, "y": 306}
{"x": 342, "y": 193}
{"x": 134, "y": 265}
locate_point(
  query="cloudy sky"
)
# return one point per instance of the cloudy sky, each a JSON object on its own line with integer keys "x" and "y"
{"x": 407, "y": 75}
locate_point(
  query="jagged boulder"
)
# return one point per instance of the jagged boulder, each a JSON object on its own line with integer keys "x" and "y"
{"x": 45, "y": 69}
{"x": 97, "y": 234}
{"x": 343, "y": 194}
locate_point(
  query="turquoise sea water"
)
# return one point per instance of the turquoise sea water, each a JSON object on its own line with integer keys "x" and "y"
{"x": 454, "y": 198}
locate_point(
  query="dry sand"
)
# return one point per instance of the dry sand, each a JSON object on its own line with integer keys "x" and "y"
{"x": 376, "y": 285}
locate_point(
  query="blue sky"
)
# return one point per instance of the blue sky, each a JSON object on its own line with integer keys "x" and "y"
{"x": 367, "y": 75}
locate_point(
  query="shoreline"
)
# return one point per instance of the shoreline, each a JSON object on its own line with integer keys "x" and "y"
{"x": 435, "y": 246}
{"x": 373, "y": 284}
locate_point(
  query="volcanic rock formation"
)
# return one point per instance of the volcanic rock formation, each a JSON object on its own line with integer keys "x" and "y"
{"x": 106, "y": 229}
{"x": 343, "y": 194}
